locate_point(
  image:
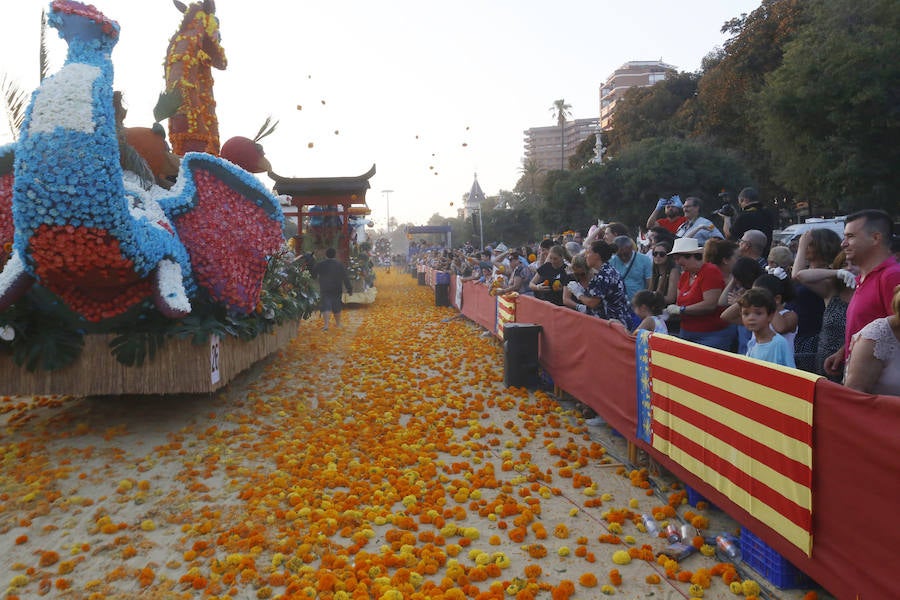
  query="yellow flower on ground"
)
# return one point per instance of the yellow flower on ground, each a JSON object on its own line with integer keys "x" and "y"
{"x": 621, "y": 557}
{"x": 750, "y": 587}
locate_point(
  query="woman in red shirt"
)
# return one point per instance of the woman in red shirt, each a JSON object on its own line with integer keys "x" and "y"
{"x": 699, "y": 288}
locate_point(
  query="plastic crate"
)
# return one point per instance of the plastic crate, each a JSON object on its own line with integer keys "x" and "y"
{"x": 770, "y": 564}
{"x": 693, "y": 497}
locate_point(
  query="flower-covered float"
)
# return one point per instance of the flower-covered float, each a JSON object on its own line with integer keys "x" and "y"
{"x": 90, "y": 248}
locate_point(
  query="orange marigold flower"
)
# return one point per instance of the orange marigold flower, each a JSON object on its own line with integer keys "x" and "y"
{"x": 533, "y": 571}
{"x": 537, "y": 551}
{"x": 652, "y": 579}
{"x": 730, "y": 575}
{"x": 615, "y": 577}
{"x": 48, "y": 558}
{"x": 563, "y": 591}
{"x": 588, "y": 580}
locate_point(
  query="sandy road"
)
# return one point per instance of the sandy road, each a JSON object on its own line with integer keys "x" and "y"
{"x": 385, "y": 460}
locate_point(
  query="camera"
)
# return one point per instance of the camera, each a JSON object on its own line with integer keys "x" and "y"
{"x": 727, "y": 210}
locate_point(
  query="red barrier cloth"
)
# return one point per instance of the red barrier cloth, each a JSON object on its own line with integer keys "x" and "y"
{"x": 856, "y": 445}
{"x": 479, "y": 306}
{"x": 590, "y": 358}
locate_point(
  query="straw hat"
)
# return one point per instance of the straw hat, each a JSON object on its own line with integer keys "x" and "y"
{"x": 687, "y": 245}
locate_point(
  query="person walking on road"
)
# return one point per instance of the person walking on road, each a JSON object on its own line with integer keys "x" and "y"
{"x": 331, "y": 275}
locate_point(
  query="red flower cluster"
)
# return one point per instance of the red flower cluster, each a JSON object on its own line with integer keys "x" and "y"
{"x": 85, "y": 267}
{"x": 7, "y": 229}
{"x": 229, "y": 262}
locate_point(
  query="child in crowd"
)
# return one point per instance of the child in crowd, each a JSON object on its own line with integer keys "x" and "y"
{"x": 757, "y": 310}
{"x": 649, "y": 307}
{"x": 785, "y": 320}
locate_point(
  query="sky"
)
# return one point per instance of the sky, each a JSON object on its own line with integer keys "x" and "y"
{"x": 429, "y": 92}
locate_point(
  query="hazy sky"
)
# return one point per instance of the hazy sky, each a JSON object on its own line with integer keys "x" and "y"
{"x": 430, "y": 92}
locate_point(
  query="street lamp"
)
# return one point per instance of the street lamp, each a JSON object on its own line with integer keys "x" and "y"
{"x": 387, "y": 199}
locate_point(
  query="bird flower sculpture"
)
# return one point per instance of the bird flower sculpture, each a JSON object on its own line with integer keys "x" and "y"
{"x": 90, "y": 233}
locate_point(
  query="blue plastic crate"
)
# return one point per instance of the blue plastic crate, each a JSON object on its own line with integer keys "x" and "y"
{"x": 693, "y": 497}
{"x": 770, "y": 564}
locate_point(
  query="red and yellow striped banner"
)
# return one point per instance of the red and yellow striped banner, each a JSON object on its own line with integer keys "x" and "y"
{"x": 741, "y": 425}
{"x": 506, "y": 311}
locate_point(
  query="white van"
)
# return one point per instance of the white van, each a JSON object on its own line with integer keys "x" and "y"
{"x": 790, "y": 236}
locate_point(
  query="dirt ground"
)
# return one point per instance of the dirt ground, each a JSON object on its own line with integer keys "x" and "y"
{"x": 382, "y": 460}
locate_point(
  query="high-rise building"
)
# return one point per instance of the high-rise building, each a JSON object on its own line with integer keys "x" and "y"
{"x": 551, "y": 147}
{"x": 636, "y": 73}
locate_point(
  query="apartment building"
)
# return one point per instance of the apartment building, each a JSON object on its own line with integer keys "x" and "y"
{"x": 550, "y": 147}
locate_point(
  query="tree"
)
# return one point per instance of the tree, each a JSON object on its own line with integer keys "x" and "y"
{"x": 561, "y": 112}
{"x": 15, "y": 99}
{"x": 830, "y": 114}
{"x": 530, "y": 180}
{"x": 665, "y": 109}
{"x": 584, "y": 153}
{"x": 627, "y": 187}
{"x": 731, "y": 77}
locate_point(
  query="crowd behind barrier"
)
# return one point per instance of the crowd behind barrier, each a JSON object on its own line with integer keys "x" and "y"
{"x": 855, "y": 444}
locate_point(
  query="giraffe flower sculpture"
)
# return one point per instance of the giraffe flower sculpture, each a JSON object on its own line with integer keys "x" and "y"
{"x": 90, "y": 233}
{"x": 193, "y": 51}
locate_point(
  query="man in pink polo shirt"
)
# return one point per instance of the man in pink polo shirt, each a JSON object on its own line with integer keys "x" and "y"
{"x": 867, "y": 245}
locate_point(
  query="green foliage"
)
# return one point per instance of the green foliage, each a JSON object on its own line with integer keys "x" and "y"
{"x": 725, "y": 113}
{"x": 666, "y": 109}
{"x": 132, "y": 347}
{"x": 41, "y": 343}
{"x": 15, "y": 101}
{"x": 830, "y": 114}
{"x": 167, "y": 105}
{"x": 584, "y": 153}
{"x": 627, "y": 187}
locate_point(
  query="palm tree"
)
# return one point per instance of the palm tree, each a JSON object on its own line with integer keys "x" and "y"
{"x": 561, "y": 112}
{"x": 530, "y": 171}
{"x": 15, "y": 99}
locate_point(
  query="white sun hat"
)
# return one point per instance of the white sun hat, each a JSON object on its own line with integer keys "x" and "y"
{"x": 687, "y": 245}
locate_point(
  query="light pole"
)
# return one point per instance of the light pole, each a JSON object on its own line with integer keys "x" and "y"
{"x": 387, "y": 199}
{"x": 480, "y": 228}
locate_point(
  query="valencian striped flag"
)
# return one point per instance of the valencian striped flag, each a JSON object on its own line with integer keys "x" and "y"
{"x": 742, "y": 425}
{"x": 506, "y": 311}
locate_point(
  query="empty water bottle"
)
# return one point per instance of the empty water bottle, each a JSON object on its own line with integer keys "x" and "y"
{"x": 673, "y": 534}
{"x": 727, "y": 546}
{"x": 650, "y": 524}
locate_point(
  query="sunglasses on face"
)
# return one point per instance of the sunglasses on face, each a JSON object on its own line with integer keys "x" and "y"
{"x": 696, "y": 256}
{"x": 663, "y": 253}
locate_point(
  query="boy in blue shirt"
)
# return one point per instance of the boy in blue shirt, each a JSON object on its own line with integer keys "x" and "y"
{"x": 757, "y": 310}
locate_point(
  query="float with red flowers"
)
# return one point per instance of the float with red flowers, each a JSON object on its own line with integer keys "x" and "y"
{"x": 120, "y": 272}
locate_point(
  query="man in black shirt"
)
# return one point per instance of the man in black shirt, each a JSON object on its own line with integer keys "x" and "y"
{"x": 752, "y": 216}
{"x": 331, "y": 274}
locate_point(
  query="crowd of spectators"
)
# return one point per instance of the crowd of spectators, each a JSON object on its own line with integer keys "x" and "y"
{"x": 724, "y": 287}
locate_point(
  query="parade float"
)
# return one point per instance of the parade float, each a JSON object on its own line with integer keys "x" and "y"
{"x": 110, "y": 283}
